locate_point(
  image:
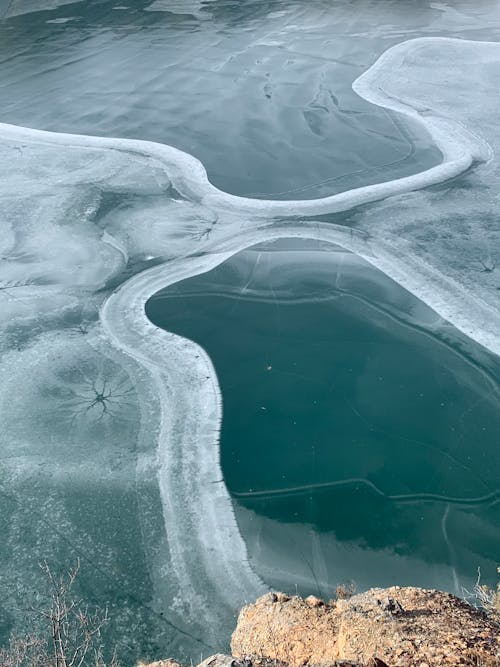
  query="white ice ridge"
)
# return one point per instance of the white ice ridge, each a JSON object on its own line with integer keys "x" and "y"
{"x": 460, "y": 147}
{"x": 60, "y": 256}
{"x": 192, "y": 7}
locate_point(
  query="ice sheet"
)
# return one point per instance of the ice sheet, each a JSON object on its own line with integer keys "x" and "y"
{"x": 91, "y": 227}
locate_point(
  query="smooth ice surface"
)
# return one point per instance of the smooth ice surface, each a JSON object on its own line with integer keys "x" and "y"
{"x": 352, "y": 412}
{"x": 245, "y": 87}
{"x": 110, "y": 426}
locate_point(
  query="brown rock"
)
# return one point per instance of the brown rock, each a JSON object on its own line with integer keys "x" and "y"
{"x": 313, "y": 601}
{"x": 400, "y": 627}
{"x": 218, "y": 660}
{"x": 160, "y": 663}
{"x": 289, "y": 631}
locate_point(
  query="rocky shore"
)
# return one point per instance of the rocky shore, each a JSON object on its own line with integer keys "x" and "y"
{"x": 395, "y": 627}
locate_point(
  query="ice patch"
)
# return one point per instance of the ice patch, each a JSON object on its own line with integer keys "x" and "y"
{"x": 61, "y": 20}
{"x": 158, "y": 229}
{"x": 192, "y": 7}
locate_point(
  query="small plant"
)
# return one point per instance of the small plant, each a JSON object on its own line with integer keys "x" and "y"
{"x": 488, "y": 598}
{"x": 73, "y": 631}
{"x": 21, "y": 652}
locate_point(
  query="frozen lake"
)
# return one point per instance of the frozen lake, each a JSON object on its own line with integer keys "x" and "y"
{"x": 314, "y": 397}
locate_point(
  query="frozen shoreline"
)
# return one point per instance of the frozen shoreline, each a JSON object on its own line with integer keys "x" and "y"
{"x": 460, "y": 148}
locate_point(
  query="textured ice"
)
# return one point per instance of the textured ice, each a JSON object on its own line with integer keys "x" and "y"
{"x": 192, "y": 7}
{"x": 18, "y": 7}
{"x": 91, "y": 414}
{"x": 91, "y": 227}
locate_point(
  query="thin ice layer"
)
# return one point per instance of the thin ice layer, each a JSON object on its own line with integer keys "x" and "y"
{"x": 20, "y": 7}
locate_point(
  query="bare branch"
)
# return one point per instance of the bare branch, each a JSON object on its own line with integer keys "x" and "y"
{"x": 74, "y": 632}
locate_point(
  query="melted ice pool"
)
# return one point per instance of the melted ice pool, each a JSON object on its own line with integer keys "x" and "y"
{"x": 359, "y": 436}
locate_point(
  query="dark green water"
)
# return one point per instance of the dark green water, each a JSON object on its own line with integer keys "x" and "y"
{"x": 360, "y": 431}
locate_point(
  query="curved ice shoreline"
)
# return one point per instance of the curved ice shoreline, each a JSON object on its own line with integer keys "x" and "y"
{"x": 459, "y": 145}
{"x": 205, "y": 543}
{"x": 208, "y": 553}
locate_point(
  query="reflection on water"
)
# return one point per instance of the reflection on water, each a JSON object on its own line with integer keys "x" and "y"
{"x": 360, "y": 431}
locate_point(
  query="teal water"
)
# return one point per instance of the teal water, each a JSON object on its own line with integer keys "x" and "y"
{"x": 360, "y": 431}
